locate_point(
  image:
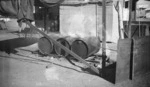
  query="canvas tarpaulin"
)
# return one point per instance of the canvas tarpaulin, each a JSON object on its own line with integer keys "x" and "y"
{"x": 17, "y": 8}
{"x": 22, "y": 8}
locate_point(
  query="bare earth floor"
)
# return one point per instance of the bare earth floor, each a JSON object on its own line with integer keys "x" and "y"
{"x": 19, "y": 67}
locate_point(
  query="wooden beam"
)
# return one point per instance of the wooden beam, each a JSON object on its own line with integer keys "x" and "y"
{"x": 65, "y": 49}
{"x": 103, "y": 37}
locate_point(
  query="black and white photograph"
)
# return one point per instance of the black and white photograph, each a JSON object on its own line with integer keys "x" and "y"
{"x": 74, "y": 43}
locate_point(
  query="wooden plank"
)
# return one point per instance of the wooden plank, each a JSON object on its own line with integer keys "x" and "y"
{"x": 141, "y": 56}
{"x": 65, "y": 49}
{"x": 123, "y": 60}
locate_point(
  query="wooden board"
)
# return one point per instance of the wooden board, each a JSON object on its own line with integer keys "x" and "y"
{"x": 123, "y": 60}
{"x": 141, "y": 56}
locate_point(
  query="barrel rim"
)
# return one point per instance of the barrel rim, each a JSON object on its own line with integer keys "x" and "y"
{"x": 66, "y": 54}
{"x": 48, "y": 41}
{"x": 83, "y": 43}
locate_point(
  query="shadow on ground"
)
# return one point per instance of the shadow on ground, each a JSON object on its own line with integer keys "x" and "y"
{"x": 109, "y": 73}
{"x": 9, "y": 46}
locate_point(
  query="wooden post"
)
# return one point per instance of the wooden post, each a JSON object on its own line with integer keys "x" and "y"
{"x": 103, "y": 37}
{"x": 46, "y": 19}
{"x": 130, "y": 36}
{"x": 130, "y": 17}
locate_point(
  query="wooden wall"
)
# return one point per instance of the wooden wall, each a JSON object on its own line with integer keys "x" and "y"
{"x": 78, "y": 21}
{"x": 141, "y": 56}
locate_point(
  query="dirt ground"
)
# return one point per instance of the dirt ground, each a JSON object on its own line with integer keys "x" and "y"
{"x": 19, "y": 67}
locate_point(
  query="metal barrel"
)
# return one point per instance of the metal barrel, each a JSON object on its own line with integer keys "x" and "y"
{"x": 45, "y": 45}
{"x": 66, "y": 41}
{"x": 80, "y": 48}
{"x": 85, "y": 47}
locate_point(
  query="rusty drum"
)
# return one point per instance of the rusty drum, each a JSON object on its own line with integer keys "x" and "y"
{"x": 45, "y": 45}
{"x": 60, "y": 51}
{"x": 85, "y": 47}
